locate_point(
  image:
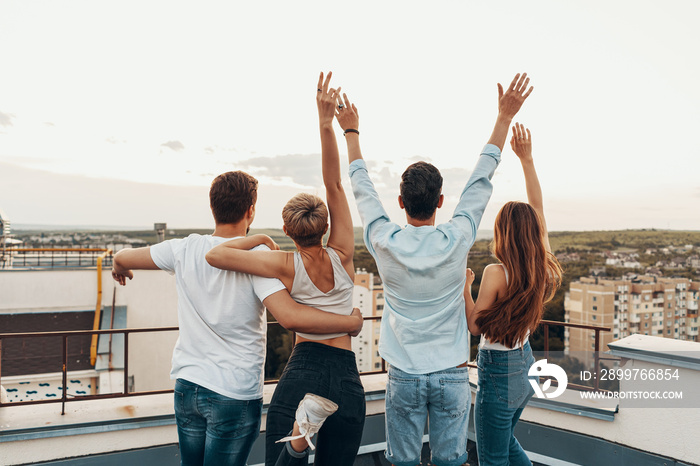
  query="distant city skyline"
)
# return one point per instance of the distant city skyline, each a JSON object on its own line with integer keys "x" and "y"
{"x": 122, "y": 113}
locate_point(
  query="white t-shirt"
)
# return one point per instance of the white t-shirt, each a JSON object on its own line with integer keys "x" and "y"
{"x": 223, "y": 324}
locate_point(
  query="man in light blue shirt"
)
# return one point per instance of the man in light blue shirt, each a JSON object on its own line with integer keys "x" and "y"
{"x": 424, "y": 329}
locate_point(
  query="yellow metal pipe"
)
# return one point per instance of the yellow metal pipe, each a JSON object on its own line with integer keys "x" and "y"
{"x": 98, "y": 307}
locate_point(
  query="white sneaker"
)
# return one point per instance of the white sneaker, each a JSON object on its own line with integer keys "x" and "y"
{"x": 311, "y": 413}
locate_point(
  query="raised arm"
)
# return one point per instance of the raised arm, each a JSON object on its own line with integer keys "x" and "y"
{"x": 349, "y": 121}
{"x": 341, "y": 236}
{"x": 234, "y": 255}
{"x": 127, "y": 260}
{"x": 299, "y": 318}
{"x": 477, "y": 192}
{"x": 521, "y": 143}
{"x": 374, "y": 217}
{"x": 509, "y": 104}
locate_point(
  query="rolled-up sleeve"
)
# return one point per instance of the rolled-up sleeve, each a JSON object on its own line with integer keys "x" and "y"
{"x": 476, "y": 193}
{"x": 370, "y": 207}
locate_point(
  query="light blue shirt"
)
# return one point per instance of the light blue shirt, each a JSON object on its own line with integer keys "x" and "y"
{"x": 424, "y": 326}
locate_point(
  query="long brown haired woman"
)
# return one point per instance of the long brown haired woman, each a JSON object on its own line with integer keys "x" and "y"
{"x": 509, "y": 307}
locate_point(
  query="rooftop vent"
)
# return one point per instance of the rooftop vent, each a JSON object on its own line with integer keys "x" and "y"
{"x": 160, "y": 231}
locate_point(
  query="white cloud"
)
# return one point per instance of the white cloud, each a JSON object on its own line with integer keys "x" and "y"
{"x": 303, "y": 170}
{"x": 6, "y": 119}
{"x": 610, "y": 98}
{"x": 176, "y": 146}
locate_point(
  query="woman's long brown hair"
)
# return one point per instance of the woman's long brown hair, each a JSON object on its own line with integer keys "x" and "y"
{"x": 533, "y": 275}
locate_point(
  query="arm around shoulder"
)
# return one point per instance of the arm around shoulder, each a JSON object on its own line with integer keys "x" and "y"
{"x": 263, "y": 263}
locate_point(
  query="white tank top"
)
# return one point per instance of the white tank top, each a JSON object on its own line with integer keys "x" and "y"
{"x": 486, "y": 344}
{"x": 337, "y": 301}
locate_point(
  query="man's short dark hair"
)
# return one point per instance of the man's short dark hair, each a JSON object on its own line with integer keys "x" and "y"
{"x": 230, "y": 196}
{"x": 421, "y": 185}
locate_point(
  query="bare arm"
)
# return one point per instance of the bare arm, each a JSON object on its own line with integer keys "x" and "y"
{"x": 492, "y": 281}
{"x": 521, "y": 143}
{"x": 299, "y": 318}
{"x": 127, "y": 260}
{"x": 249, "y": 242}
{"x": 509, "y": 104}
{"x": 468, "y": 300}
{"x": 269, "y": 264}
{"x": 341, "y": 237}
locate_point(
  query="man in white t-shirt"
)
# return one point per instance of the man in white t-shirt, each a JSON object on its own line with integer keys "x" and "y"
{"x": 219, "y": 356}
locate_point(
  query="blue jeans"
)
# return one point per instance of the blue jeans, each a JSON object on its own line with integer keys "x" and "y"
{"x": 214, "y": 429}
{"x": 502, "y": 394}
{"x": 442, "y": 397}
{"x": 328, "y": 372}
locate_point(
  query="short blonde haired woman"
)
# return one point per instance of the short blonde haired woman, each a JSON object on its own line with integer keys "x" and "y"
{"x": 321, "y": 374}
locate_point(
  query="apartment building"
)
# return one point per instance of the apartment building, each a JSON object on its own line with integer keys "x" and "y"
{"x": 646, "y": 305}
{"x": 369, "y": 298}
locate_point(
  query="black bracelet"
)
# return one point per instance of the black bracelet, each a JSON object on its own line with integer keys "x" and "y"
{"x": 351, "y": 131}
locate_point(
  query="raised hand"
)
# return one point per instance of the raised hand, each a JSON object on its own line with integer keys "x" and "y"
{"x": 326, "y": 99}
{"x": 509, "y": 103}
{"x": 521, "y": 142}
{"x": 347, "y": 115}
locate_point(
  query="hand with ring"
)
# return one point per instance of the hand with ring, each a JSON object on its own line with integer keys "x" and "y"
{"x": 326, "y": 99}
{"x": 521, "y": 142}
{"x": 347, "y": 115}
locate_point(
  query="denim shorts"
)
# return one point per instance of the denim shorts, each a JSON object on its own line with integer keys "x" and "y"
{"x": 501, "y": 396}
{"x": 444, "y": 398}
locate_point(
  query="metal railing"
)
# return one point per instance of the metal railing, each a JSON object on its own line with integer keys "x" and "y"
{"x": 126, "y": 393}
{"x": 596, "y": 347}
{"x": 64, "y": 371}
{"x": 53, "y": 257}
{"x": 545, "y": 326}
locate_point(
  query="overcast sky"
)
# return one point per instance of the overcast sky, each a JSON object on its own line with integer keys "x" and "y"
{"x": 121, "y": 113}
